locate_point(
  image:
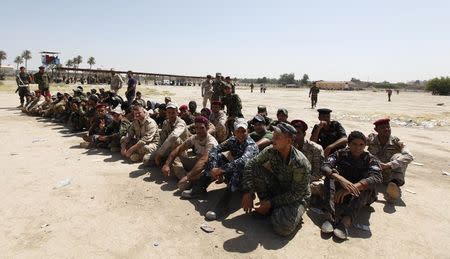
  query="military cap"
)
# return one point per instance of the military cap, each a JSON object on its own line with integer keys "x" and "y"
{"x": 162, "y": 106}
{"x": 282, "y": 110}
{"x": 240, "y": 123}
{"x": 258, "y": 119}
{"x": 285, "y": 128}
{"x": 227, "y": 78}
{"x": 183, "y": 107}
{"x": 168, "y": 99}
{"x": 324, "y": 111}
{"x": 218, "y": 74}
{"x": 172, "y": 105}
{"x": 381, "y": 121}
{"x": 94, "y": 98}
{"x": 299, "y": 124}
{"x": 118, "y": 110}
{"x": 216, "y": 103}
{"x": 262, "y": 108}
{"x": 41, "y": 67}
{"x": 201, "y": 119}
{"x": 206, "y": 111}
{"x": 208, "y": 76}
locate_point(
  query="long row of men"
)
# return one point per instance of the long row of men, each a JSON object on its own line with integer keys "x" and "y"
{"x": 264, "y": 158}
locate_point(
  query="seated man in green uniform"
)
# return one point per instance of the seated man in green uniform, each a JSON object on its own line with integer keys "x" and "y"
{"x": 394, "y": 157}
{"x": 282, "y": 116}
{"x": 280, "y": 176}
{"x": 260, "y": 135}
{"x": 329, "y": 134}
{"x": 350, "y": 184}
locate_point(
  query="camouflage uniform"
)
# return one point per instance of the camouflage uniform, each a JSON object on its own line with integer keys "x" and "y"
{"x": 365, "y": 169}
{"x": 234, "y": 109}
{"x": 43, "y": 81}
{"x": 219, "y": 120}
{"x": 95, "y": 130}
{"x": 77, "y": 119}
{"x": 394, "y": 153}
{"x": 23, "y": 81}
{"x": 206, "y": 92}
{"x": 217, "y": 86}
{"x": 115, "y": 131}
{"x": 314, "y": 153}
{"x": 313, "y": 92}
{"x": 285, "y": 185}
{"x": 240, "y": 155}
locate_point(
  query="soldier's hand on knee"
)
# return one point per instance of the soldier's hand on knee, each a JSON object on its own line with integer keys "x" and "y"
{"x": 247, "y": 202}
{"x": 166, "y": 170}
{"x": 347, "y": 185}
{"x": 264, "y": 207}
{"x": 340, "y": 195}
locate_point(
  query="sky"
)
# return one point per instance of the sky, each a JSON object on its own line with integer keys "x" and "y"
{"x": 332, "y": 40}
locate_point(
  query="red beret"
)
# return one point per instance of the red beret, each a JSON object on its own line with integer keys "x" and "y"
{"x": 216, "y": 102}
{"x": 299, "y": 124}
{"x": 381, "y": 122}
{"x": 183, "y": 107}
{"x": 101, "y": 105}
{"x": 201, "y": 119}
{"x": 47, "y": 94}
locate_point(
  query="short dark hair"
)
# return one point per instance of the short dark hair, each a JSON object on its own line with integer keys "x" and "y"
{"x": 356, "y": 135}
{"x": 22, "y": 67}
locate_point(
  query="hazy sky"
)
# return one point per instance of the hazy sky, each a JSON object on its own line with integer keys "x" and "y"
{"x": 329, "y": 40}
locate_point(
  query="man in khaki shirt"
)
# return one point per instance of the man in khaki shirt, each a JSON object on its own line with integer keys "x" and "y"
{"x": 219, "y": 119}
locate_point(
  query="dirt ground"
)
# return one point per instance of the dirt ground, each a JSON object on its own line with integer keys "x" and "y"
{"x": 111, "y": 208}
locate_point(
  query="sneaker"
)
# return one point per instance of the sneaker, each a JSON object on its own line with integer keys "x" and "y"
{"x": 393, "y": 191}
{"x": 341, "y": 232}
{"x": 192, "y": 193}
{"x": 327, "y": 227}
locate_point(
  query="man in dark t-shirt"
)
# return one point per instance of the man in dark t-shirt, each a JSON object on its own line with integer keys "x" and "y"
{"x": 329, "y": 134}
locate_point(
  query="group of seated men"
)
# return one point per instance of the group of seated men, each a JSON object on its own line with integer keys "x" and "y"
{"x": 264, "y": 158}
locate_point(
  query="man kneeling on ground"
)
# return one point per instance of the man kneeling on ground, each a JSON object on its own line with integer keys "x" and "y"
{"x": 177, "y": 163}
{"x": 280, "y": 176}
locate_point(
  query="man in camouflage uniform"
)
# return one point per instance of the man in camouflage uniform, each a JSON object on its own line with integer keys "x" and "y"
{"x": 174, "y": 132}
{"x": 76, "y": 119}
{"x": 234, "y": 106}
{"x": 329, "y": 134}
{"x": 228, "y": 82}
{"x": 219, "y": 119}
{"x": 43, "y": 80}
{"x": 261, "y": 135}
{"x": 313, "y": 152}
{"x": 217, "y": 86}
{"x": 23, "y": 80}
{"x": 206, "y": 91}
{"x": 142, "y": 137}
{"x": 393, "y": 155}
{"x": 350, "y": 184}
{"x": 282, "y": 116}
{"x": 117, "y": 129}
{"x": 313, "y": 93}
{"x": 280, "y": 176}
{"x": 223, "y": 168}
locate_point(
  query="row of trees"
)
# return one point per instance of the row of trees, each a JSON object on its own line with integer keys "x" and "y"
{"x": 439, "y": 86}
{"x": 76, "y": 61}
{"x": 284, "y": 79}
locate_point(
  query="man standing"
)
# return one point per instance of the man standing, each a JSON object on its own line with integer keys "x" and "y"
{"x": 201, "y": 143}
{"x": 23, "y": 80}
{"x": 350, "y": 184}
{"x": 207, "y": 91}
{"x": 116, "y": 82}
{"x": 389, "y": 92}
{"x": 280, "y": 176}
{"x": 393, "y": 155}
{"x": 217, "y": 86}
{"x": 329, "y": 134}
{"x": 142, "y": 137}
{"x": 251, "y": 87}
{"x": 131, "y": 89}
{"x": 313, "y": 93}
{"x": 234, "y": 106}
{"x": 224, "y": 168}
{"x": 43, "y": 80}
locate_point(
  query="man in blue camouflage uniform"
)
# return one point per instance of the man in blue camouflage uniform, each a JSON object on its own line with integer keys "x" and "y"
{"x": 226, "y": 169}
{"x": 350, "y": 184}
{"x": 280, "y": 176}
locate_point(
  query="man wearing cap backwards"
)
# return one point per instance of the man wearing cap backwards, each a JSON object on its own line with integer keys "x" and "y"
{"x": 223, "y": 168}
{"x": 142, "y": 137}
{"x": 130, "y": 93}
{"x": 260, "y": 135}
{"x": 201, "y": 143}
{"x": 23, "y": 80}
{"x": 117, "y": 129}
{"x": 42, "y": 79}
{"x": 206, "y": 90}
{"x": 280, "y": 176}
{"x": 313, "y": 152}
{"x": 217, "y": 86}
{"x": 98, "y": 128}
{"x": 116, "y": 82}
{"x": 282, "y": 116}
{"x": 394, "y": 157}
{"x": 350, "y": 184}
{"x": 313, "y": 92}
{"x": 329, "y": 134}
{"x": 173, "y": 133}
{"x": 219, "y": 119}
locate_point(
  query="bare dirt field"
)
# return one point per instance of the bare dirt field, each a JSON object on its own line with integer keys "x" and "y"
{"x": 111, "y": 208}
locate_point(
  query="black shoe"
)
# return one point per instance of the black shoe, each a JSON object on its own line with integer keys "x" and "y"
{"x": 221, "y": 208}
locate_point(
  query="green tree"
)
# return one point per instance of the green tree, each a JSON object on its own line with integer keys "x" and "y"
{"x": 78, "y": 60}
{"x": 439, "y": 86}
{"x": 304, "y": 80}
{"x": 26, "y": 54}
{"x": 69, "y": 64}
{"x": 2, "y": 57}
{"x": 287, "y": 79}
{"x": 91, "y": 62}
{"x": 18, "y": 61}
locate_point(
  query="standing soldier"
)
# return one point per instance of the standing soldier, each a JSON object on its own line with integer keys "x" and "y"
{"x": 233, "y": 86}
{"x": 389, "y": 92}
{"x": 23, "y": 80}
{"x": 43, "y": 80}
{"x": 313, "y": 92}
{"x": 206, "y": 91}
{"x": 116, "y": 82}
{"x": 234, "y": 106}
{"x": 217, "y": 86}
{"x": 251, "y": 87}
{"x": 131, "y": 89}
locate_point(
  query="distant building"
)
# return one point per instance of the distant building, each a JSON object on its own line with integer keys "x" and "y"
{"x": 7, "y": 70}
{"x": 334, "y": 85}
